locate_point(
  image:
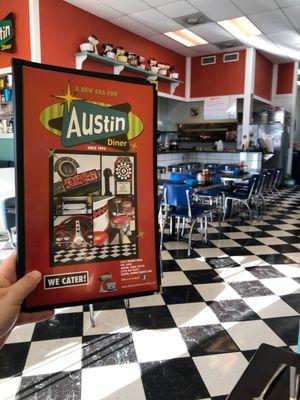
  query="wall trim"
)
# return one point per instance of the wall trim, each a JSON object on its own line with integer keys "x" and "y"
{"x": 6, "y": 70}
{"x": 188, "y": 77}
{"x": 238, "y": 96}
{"x": 35, "y": 32}
{"x": 171, "y": 96}
{"x": 248, "y": 89}
{"x": 274, "y": 80}
{"x": 283, "y": 95}
{"x": 293, "y": 117}
{"x": 262, "y": 99}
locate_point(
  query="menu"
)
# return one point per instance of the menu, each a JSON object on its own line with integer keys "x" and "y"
{"x": 86, "y": 186}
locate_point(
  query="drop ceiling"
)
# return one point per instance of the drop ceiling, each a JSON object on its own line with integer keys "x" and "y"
{"x": 278, "y": 20}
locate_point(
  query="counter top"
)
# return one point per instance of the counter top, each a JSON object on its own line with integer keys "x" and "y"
{"x": 205, "y": 151}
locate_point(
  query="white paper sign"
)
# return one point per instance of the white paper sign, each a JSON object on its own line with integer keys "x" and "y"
{"x": 220, "y": 107}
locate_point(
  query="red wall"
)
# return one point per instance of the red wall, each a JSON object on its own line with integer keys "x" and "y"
{"x": 285, "y": 78}
{"x": 218, "y": 79}
{"x": 20, "y": 8}
{"x": 263, "y": 77}
{"x": 64, "y": 27}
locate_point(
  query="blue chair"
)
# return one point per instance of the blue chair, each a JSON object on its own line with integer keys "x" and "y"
{"x": 179, "y": 199}
{"x": 8, "y": 208}
{"x": 213, "y": 194}
{"x": 161, "y": 222}
{"x": 271, "y": 190}
{"x": 179, "y": 177}
{"x": 243, "y": 197}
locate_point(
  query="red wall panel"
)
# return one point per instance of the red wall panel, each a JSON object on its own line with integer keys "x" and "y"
{"x": 263, "y": 77}
{"x": 64, "y": 27}
{"x": 20, "y": 8}
{"x": 285, "y": 78}
{"x": 218, "y": 79}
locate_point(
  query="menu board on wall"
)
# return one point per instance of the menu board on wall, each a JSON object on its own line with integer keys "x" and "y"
{"x": 220, "y": 107}
{"x": 86, "y": 200}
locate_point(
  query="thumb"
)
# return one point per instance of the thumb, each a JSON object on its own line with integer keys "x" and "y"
{"x": 21, "y": 289}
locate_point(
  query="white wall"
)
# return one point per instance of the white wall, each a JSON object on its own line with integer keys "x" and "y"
{"x": 297, "y": 131}
{"x": 172, "y": 112}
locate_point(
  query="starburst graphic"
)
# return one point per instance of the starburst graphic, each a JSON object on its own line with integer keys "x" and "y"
{"x": 141, "y": 234}
{"x": 51, "y": 153}
{"x": 134, "y": 146}
{"x": 68, "y": 97}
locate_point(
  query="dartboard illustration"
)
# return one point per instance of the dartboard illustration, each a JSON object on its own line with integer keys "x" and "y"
{"x": 123, "y": 170}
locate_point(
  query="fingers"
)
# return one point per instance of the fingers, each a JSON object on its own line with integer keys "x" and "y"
{"x": 8, "y": 268}
{"x": 23, "y": 287}
{"x": 26, "y": 318}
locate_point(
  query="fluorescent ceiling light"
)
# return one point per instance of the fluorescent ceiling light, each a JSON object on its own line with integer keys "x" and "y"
{"x": 240, "y": 26}
{"x": 186, "y": 37}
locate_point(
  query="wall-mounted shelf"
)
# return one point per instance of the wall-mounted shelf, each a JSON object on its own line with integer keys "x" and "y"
{"x": 9, "y": 135}
{"x": 119, "y": 67}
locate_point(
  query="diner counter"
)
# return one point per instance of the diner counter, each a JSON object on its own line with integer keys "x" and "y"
{"x": 252, "y": 160}
{"x": 166, "y": 177}
{"x": 206, "y": 151}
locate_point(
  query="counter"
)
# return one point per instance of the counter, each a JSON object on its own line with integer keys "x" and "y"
{"x": 253, "y": 160}
{"x": 205, "y": 151}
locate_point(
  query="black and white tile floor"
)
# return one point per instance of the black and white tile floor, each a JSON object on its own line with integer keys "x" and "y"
{"x": 192, "y": 342}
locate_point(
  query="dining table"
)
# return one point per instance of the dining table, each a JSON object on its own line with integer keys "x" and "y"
{"x": 230, "y": 179}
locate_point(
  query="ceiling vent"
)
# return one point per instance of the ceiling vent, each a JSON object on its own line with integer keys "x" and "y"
{"x": 191, "y": 20}
{"x": 231, "y": 57}
{"x": 228, "y": 44}
{"x": 208, "y": 60}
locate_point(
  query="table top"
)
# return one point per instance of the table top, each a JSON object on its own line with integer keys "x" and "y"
{"x": 240, "y": 177}
{"x": 198, "y": 187}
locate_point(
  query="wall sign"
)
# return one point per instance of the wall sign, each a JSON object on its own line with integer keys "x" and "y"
{"x": 87, "y": 190}
{"x": 7, "y": 34}
{"x": 220, "y": 107}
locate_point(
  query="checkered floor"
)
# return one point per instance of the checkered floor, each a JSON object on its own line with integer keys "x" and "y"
{"x": 94, "y": 254}
{"x": 192, "y": 342}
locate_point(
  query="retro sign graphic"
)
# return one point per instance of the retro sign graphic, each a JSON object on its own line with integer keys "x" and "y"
{"x": 86, "y": 198}
{"x": 79, "y": 121}
{"x": 7, "y": 34}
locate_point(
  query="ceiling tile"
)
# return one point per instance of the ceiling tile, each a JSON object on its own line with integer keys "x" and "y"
{"x": 94, "y": 7}
{"x": 293, "y": 14}
{"x": 263, "y": 43}
{"x": 186, "y": 51}
{"x": 288, "y": 3}
{"x": 156, "y": 21}
{"x": 125, "y": 6}
{"x": 217, "y": 10}
{"x": 132, "y": 25}
{"x": 292, "y": 52}
{"x": 172, "y": 45}
{"x": 211, "y": 32}
{"x": 255, "y": 6}
{"x": 207, "y": 49}
{"x": 286, "y": 38}
{"x": 271, "y": 22}
{"x": 177, "y": 9}
{"x": 157, "y": 3}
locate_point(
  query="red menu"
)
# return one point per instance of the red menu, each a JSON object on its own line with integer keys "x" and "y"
{"x": 86, "y": 184}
